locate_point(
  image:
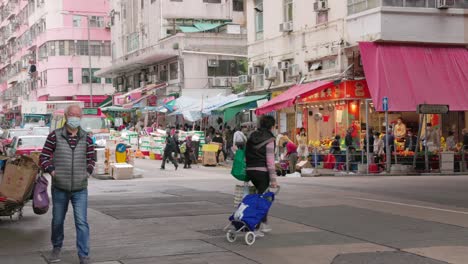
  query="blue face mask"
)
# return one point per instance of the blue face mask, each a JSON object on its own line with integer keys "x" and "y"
{"x": 73, "y": 122}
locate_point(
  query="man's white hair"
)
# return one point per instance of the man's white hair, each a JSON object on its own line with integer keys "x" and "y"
{"x": 67, "y": 110}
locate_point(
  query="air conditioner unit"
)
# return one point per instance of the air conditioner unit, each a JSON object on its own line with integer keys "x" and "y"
{"x": 444, "y": 4}
{"x": 213, "y": 63}
{"x": 286, "y": 26}
{"x": 321, "y": 5}
{"x": 293, "y": 70}
{"x": 283, "y": 65}
{"x": 108, "y": 25}
{"x": 244, "y": 79}
{"x": 218, "y": 82}
{"x": 259, "y": 81}
{"x": 271, "y": 73}
{"x": 257, "y": 70}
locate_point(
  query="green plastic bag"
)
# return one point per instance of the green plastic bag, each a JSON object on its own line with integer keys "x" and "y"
{"x": 239, "y": 165}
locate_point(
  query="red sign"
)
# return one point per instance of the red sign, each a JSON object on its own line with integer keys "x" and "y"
{"x": 345, "y": 90}
{"x": 152, "y": 100}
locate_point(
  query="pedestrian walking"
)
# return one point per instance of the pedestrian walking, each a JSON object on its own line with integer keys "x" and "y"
{"x": 239, "y": 138}
{"x": 188, "y": 154}
{"x": 219, "y": 139}
{"x": 411, "y": 141}
{"x": 336, "y": 151}
{"x": 302, "y": 150}
{"x": 260, "y": 161}
{"x": 68, "y": 156}
{"x": 379, "y": 152}
{"x": 228, "y": 138}
{"x": 291, "y": 154}
{"x": 450, "y": 141}
{"x": 169, "y": 151}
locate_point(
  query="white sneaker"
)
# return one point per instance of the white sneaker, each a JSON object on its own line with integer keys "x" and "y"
{"x": 259, "y": 233}
{"x": 265, "y": 228}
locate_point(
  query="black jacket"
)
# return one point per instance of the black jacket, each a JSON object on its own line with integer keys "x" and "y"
{"x": 255, "y": 151}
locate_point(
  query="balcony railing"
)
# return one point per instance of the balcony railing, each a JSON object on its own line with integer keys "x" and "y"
{"x": 357, "y": 6}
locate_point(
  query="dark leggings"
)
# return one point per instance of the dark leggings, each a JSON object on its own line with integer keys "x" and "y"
{"x": 261, "y": 181}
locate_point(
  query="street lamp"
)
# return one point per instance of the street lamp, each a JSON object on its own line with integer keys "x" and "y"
{"x": 89, "y": 52}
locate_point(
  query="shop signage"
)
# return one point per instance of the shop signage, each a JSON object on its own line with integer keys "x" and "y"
{"x": 432, "y": 109}
{"x": 385, "y": 103}
{"x": 344, "y": 90}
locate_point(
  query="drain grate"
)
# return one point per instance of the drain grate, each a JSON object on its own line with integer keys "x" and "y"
{"x": 213, "y": 232}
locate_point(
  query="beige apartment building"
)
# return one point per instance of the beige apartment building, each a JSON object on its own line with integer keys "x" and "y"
{"x": 303, "y": 41}
{"x": 195, "y": 46}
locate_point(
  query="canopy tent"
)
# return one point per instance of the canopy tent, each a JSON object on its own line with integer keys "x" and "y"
{"x": 409, "y": 75}
{"x": 160, "y": 109}
{"x": 199, "y": 27}
{"x": 230, "y": 110}
{"x": 289, "y": 97}
{"x": 115, "y": 108}
{"x": 192, "y": 109}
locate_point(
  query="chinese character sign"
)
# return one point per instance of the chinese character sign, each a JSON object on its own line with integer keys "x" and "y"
{"x": 344, "y": 90}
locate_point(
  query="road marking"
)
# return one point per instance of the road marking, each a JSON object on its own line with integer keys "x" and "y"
{"x": 412, "y": 205}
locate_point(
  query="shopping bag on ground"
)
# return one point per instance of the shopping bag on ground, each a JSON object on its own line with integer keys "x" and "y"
{"x": 239, "y": 165}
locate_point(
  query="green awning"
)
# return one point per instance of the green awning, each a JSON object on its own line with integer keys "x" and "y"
{"x": 106, "y": 102}
{"x": 199, "y": 27}
{"x": 188, "y": 29}
{"x": 230, "y": 110}
{"x": 207, "y": 26}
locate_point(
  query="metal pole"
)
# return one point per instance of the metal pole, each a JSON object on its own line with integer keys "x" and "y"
{"x": 426, "y": 154}
{"x": 89, "y": 60}
{"x": 387, "y": 147}
{"x": 417, "y": 141}
{"x": 367, "y": 136}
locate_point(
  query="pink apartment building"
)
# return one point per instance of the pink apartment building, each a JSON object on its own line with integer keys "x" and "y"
{"x": 51, "y": 36}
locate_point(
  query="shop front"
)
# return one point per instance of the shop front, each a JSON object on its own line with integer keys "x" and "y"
{"x": 335, "y": 110}
{"x": 409, "y": 75}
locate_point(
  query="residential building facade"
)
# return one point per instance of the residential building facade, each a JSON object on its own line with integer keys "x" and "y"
{"x": 195, "y": 46}
{"x": 301, "y": 41}
{"x": 312, "y": 40}
{"x": 44, "y": 54}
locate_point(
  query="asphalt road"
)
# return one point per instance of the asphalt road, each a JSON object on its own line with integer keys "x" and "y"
{"x": 178, "y": 216}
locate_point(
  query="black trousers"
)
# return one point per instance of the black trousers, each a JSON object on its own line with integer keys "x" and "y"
{"x": 168, "y": 156}
{"x": 187, "y": 158}
{"x": 261, "y": 181}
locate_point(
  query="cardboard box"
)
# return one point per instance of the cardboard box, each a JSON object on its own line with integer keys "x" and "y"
{"x": 35, "y": 156}
{"x": 121, "y": 171}
{"x": 210, "y": 148}
{"x": 18, "y": 178}
{"x": 209, "y": 158}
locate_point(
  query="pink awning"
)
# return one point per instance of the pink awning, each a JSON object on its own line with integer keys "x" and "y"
{"x": 289, "y": 97}
{"x": 87, "y": 98}
{"x": 410, "y": 75}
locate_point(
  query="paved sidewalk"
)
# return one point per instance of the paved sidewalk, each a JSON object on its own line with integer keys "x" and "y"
{"x": 178, "y": 216}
